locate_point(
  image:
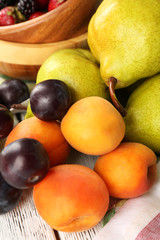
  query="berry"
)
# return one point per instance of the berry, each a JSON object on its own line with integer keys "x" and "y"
{"x": 7, "y": 16}
{"x": 9, "y": 196}
{"x": 35, "y": 15}
{"x": 42, "y": 4}
{"x": 50, "y": 100}
{"x": 24, "y": 163}
{"x": 27, "y": 7}
{"x": 6, "y": 121}
{"x": 5, "y": 3}
{"x": 13, "y": 91}
{"x": 54, "y": 4}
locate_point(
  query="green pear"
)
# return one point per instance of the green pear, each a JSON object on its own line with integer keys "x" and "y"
{"x": 78, "y": 69}
{"x": 143, "y": 114}
{"x": 124, "y": 36}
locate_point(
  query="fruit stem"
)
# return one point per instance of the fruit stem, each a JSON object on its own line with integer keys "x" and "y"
{"x": 17, "y": 108}
{"x": 118, "y": 106}
{"x": 3, "y": 107}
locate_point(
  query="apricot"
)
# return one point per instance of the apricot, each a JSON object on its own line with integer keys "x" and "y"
{"x": 71, "y": 198}
{"x": 47, "y": 133}
{"x": 93, "y": 126}
{"x": 128, "y": 171}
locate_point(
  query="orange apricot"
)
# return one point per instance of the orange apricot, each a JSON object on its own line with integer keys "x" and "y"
{"x": 71, "y": 198}
{"x": 93, "y": 126}
{"x": 128, "y": 171}
{"x": 47, "y": 133}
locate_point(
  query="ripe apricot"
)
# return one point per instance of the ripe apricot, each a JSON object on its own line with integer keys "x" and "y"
{"x": 47, "y": 133}
{"x": 128, "y": 171}
{"x": 71, "y": 198}
{"x": 93, "y": 126}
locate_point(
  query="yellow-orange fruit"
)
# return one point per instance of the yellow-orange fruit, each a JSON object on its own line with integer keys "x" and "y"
{"x": 47, "y": 133}
{"x": 93, "y": 126}
{"x": 71, "y": 198}
{"x": 129, "y": 170}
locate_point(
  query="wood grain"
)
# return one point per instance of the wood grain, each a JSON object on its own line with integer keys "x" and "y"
{"x": 23, "y": 61}
{"x": 68, "y": 20}
{"x": 24, "y": 222}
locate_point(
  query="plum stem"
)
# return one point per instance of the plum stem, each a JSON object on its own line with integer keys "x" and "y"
{"x": 18, "y": 108}
{"x": 112, "y": 83}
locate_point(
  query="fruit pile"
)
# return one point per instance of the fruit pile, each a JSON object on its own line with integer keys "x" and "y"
{"x": 36, "y": 152}
{"x": 16, "y": 11}
{"x": 70, "y": 109}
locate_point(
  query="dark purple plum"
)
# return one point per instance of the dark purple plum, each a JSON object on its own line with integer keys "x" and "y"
{"x": 13, "y": 91}
{"x": 50, "y": 100}
{"x": 24, "y": 163}
{"x": 9, "y": 196}
{"x": 6, "y": 121}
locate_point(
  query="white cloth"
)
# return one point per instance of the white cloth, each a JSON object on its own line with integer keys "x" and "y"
{"x": 134, "y": 215}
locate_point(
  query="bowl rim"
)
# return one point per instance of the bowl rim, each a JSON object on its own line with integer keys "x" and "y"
{"x": 43, "y": 50}
{"x": 34, "y": 20}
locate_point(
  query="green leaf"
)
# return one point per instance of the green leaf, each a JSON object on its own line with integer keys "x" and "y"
{"x": 4, "y": 76}
{"x": 109, "y": 214}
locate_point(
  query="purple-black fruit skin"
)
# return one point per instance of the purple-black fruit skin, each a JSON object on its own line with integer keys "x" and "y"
{"x": 6, "y": 121}
{"x": 9, "y": 196}
{"x": 50, "y": 100}
{"x": 13, "y": 91}
{"x": 24, "y": 162}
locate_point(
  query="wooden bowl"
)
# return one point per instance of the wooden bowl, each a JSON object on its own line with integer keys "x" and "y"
{"x": 22, "y": 61}
{"x": 67, "y": 21}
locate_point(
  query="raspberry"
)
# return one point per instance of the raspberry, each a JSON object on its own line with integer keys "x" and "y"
{"x": 54, "y": 4}
{"x": 35, "y": 15}
{"x": 7, "y": 16}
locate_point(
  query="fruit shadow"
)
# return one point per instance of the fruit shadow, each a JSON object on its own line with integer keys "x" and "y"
{"x": 76, "y": 157}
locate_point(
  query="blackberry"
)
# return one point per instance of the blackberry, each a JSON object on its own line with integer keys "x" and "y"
{"x": 5, "y": 3}
{"x": 27, "y": 7}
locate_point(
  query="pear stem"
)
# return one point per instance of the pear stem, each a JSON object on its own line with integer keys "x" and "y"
{"x": 112, "y": 83}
